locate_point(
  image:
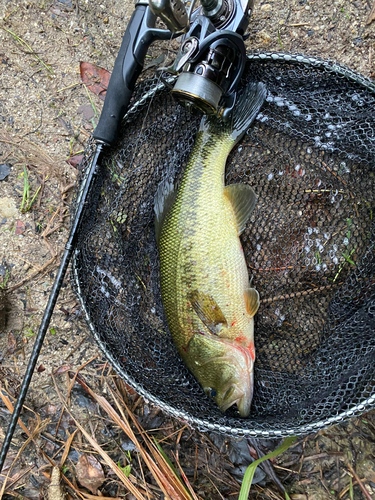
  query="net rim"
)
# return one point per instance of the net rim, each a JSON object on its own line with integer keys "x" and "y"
{"x": 201, "y": 424}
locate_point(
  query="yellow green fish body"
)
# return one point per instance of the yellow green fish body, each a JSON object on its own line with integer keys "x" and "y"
{"x": 204, "y": 279}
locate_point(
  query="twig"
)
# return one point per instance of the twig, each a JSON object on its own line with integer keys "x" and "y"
{"x": 32, "y": 275}
{"x": 296, "y": 25}
{"x": 30, "y": 264}
{"x": 76, "y": 375}
{"x": 69, "y": 87}
{"x": 360, "y": 484}
{"x": 371, "y": 15}
{"x": 67, "y": 447}
{"x": 324, "y": 455}
{"x": 120, "y": 474}
{"x": 299, "y": 294}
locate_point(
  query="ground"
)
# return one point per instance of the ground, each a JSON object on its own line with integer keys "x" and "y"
{"x": 46, "y": 116}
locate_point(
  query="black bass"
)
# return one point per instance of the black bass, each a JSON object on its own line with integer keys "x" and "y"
{"x": 204, "y": 279}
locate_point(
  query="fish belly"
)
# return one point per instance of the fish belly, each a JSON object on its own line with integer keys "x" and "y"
{"x": 206, "y": 256}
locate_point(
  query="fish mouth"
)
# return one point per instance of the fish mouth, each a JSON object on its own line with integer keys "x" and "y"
{"x": 240, "y": 394}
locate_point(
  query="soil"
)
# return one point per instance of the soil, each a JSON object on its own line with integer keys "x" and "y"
{"x": 46, "y": 116}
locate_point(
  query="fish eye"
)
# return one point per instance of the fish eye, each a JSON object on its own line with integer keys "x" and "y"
{"x": 213, "y": 393}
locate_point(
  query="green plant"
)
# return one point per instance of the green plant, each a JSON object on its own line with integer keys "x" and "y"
{"x": 22, "y": 42}
{"x": 250, "y": 471}
{"x": 126, "y": 470}
{"x": 30, "y": 334}
{"x": 5, "y": 280}
{"x": 26, "y": 201}
{"x": 279, "y": 39}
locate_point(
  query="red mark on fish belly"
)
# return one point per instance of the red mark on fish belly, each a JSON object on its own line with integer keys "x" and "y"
{"x": 251, "y": 348}
{"x": 233, "y": 323}
{"x": 240, "y": 339}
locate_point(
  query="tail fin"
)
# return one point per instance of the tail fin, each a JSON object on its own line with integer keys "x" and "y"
{"x": 246, "y": 108}
{"x": 244, "y": 112}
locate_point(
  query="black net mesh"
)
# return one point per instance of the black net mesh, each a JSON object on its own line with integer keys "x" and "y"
{"x": 309, "y": 246}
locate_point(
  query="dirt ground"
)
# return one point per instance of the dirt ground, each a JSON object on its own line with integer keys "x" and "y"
{"x": 46, "y": 116}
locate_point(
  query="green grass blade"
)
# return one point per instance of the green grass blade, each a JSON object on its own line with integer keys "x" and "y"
{"x": 250, "y": 471}
{"x": 351, "y": 492}
{"x": 165, "y": 456}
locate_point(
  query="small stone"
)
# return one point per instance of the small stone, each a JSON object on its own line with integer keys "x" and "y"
{"x": 4, "y": 171}
{"x": 8, "y": 207}
{"x": 86, "y": 111}
{"x": 264, "y": 37}
{"x": 266, "y": 7}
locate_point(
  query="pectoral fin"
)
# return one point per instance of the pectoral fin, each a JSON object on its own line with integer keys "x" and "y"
{"x": 164, "y": 199}
{"x": 243, "y": 199}
{"x": 208, "y": 311}
{"x": 252, "y": 301}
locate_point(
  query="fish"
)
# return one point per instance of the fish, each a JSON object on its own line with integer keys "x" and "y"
{"x": 205, "y": 290}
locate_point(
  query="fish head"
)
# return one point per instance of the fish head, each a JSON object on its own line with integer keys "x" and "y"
{"x": 225, "y": 371}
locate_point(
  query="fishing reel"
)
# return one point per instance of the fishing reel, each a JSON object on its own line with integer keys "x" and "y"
{"x": 209, "y": 64}
{"x": 212, "y": 56}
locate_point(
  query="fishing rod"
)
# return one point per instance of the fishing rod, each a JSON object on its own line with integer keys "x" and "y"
{"x": 208, "y": 67}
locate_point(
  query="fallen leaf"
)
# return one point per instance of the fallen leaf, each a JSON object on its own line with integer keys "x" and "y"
{"x": 12, "y": 343}
{"x": 20, "y": 227}
{"x": 130, "y": 389}
{"x": 90, "y": 473}
{"x": 75, "y": 160}
{"x": 96, "y": 78}
{"x": 62, "y": 369}
{"x": 371, "y": 16}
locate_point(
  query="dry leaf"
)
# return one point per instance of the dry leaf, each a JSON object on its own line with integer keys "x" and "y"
{"x": 20, "y": 227}
{"x": 90, "y": 473}
{"x": 62, "y": 369}
{"x": 75, "y": 160}
{"x": 12, "y": 343}
{"x": 96, "y": 78}
{"x": 371, "y": 16}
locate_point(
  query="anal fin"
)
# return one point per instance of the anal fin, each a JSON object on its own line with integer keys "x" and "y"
{"x": 208, "y": 311}
{"x": 243, "y": 200}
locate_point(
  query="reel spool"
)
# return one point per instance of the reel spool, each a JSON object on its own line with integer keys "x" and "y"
{"x": 309, "y": 246}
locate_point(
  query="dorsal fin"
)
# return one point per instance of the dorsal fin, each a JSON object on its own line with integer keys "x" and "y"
{"x": 243, "y": 200}
{"x": 164, "y": 199}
